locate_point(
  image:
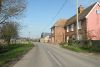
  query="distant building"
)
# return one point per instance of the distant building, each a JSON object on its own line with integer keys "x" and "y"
{"x": 45, "y": 37}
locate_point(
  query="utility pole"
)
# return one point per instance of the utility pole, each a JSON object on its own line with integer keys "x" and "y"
{"x": 77, "y": 31}
{"x": 29, "y": 38}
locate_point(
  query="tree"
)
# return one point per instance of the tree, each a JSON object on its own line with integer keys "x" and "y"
{"x": 11, "y": 8}
{"x": 9, "y": 30}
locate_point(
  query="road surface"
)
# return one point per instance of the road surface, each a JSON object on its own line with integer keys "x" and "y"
{"x": 48, "y": 55}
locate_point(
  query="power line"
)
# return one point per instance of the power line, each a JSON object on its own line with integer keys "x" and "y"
{"x": 59, "y": 10}
{"x": 53, "y": 19}
{"x": 98, "y": 0}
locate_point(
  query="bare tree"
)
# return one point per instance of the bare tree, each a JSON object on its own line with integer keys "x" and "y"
{"x": 11, "y": 8}
{"x": 9, "y": 30}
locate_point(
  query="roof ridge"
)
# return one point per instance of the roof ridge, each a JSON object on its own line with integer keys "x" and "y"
{"x": 83, "y": 14}
{"x": 58, "y": 23}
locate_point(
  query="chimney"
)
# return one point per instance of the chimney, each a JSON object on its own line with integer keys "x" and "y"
{"x": 80, "y": 9}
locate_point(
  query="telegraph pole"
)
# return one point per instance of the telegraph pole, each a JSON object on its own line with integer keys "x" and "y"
{"x": 77, "y": 31}
{"x": 29, "y": 38}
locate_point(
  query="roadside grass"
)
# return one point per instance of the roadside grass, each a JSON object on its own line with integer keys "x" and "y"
{"x": 76, "y": 49}
{"x": 13, "y": 51}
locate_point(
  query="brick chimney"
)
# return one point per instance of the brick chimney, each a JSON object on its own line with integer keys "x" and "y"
{"x": 80, "y": 9}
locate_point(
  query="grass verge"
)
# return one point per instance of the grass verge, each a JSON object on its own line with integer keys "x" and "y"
{"x": 81, "y": 49}
{"x": 13, "y": 51}
{"x": 76, "y": 49}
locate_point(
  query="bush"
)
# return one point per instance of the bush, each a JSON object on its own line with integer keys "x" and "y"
{"x": 63, "y": 43}
{"x": 88, "y": 45}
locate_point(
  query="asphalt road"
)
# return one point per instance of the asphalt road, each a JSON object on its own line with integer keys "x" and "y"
{"x": 48, "y": 55}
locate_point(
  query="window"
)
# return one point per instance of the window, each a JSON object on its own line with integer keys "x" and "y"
{"x": 98, "y": 11}
{"x": 79, "y": 25}
{"x": 67, "y": 28}
{"x": 72, "y": 27}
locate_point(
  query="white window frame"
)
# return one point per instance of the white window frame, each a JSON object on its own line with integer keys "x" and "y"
{"x": 72, "y": 27}
{"x": 97, "y": 11}
{"x": 68, "y": 28}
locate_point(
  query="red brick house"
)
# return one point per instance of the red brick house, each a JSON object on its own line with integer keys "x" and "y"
{"x": 88, "y": 25}
{"x": 58, "y": 31}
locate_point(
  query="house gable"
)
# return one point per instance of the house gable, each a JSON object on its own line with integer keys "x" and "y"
{"x": 81, "y": 16}
{"x": 93, "y": 23}
{"x": 93, "y": 9}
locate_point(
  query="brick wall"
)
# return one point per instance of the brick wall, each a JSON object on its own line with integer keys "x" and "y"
{"x": 81, "y": 31}
{"x": 58, "y": 34}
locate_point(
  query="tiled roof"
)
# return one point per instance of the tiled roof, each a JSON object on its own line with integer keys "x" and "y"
{"x": 81, "y": 15}
{"x": 60, "y": 23}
